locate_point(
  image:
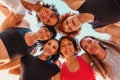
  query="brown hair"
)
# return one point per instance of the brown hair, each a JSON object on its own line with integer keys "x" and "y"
{"x": 54, "y": 9}
{"x": 102, "y": 68}
{"x": 60, "y": 28}
{"x": 75, "y": 44}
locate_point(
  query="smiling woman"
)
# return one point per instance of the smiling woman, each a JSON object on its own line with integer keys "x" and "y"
{"x": 104, "y": 54}
{"x": 41, "y": 67}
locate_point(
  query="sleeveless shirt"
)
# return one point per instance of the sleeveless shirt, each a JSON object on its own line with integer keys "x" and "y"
{"x": 14, "y": 41}
{"x": 84, "y": 73}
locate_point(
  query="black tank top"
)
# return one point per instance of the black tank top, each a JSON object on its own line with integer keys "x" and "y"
{"x": 105, "y": 11}
{"x": 14, "y": 42}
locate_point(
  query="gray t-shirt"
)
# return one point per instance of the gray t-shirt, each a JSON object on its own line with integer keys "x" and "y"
{"x": 113, "y": 60}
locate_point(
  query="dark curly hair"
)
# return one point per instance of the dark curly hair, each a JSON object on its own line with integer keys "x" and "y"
{"x": 53, "y": 8}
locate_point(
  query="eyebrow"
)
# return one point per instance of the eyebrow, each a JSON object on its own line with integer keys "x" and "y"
{"x": 88, "y": 41}
{"x": 52, "y": 15}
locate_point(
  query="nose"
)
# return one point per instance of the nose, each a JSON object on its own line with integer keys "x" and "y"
{"x": 48, "y": 16}
{"x": 66, "y": 47}
{"x": 88, "y": 46}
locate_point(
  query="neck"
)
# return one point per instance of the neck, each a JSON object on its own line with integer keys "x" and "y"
{"x": 43, "y": 57}
{"x": 101, "y": 55}
{"x": 70, "y": 60}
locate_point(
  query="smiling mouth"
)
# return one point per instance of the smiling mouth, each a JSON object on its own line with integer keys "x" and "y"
{"x": 93, "y": 49}
{"x": 47, "y": 50}
{"x": 73, "y": 22}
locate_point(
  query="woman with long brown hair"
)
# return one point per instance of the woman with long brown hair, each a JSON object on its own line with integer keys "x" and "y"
{"x": 105, "y": 56}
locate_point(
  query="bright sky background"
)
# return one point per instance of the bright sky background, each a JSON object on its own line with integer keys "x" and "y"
{"x": 62, "y": 8}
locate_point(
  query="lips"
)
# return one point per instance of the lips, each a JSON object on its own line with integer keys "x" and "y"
{"x": 73, "y": 22}
{"x": 47, "y": 50}
{"x": 68, "y": 51}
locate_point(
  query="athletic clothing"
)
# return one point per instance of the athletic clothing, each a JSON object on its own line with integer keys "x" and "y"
{"x": 15, "y": 6}
{"x": 84, "y": 73}
{"x": 34, "y": 68}
{"x": 32, "y": 1}
{"x": 14, "y": 41}
{"x": 105, "y": 11}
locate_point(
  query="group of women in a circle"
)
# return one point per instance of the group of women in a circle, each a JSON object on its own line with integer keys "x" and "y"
{"x": 18, "y": 43}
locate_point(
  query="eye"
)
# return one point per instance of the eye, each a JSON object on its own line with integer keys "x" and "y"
{"x": 46, "y": 11}
{"x": 54, "y": 47}
{"x": 69, "y": 28}
{"x": 62, "y": 45}
{"x": 48, "y": 21}
{"x": 46, "y": 29}
{"x": 89, "y": 41}
{"x": 85, "y": 47}
{"x": 49, "y": 43}
{"x": 48, "y": 36}
{"x": 52, "y": 16}
{"x": 69, "y": 43}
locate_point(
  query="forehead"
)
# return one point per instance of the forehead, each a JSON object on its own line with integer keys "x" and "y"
{"x": 48, "y": 9}
{"x": 65, "y": 40}
{"x": 85, "y": 40}
{"x": 44, "y": 28}
{"x": 54, "y": 42}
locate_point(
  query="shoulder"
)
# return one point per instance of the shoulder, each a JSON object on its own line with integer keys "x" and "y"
{"x": 86, "y": 58}
{"x": 26, "y": 58}
{"x": 74, "y": 4}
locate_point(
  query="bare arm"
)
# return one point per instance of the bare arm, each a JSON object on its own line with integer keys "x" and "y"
{"x": 11, "y": 21}
{"x": 57, "y": 76}
{"x": 11, "y": 64}
{"x": 74, "y": 4}
{"x": 86, "y": 58}
{"x": 85, "y": 17}
{"x": 5, "y": 11}
{"x": 15, "y": 71}
{"x": 36, "y": 7}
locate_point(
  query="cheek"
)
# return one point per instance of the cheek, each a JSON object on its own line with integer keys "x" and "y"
{"x": 89, "y": 51}
{"x": 53, "y": 21}
{"x": 62, "y": 50}
{"x": 54, "y": 51}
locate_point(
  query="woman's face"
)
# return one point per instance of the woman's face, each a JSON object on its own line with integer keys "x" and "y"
{"x": 71, "y": 24}
{"x": 50, "y": 48}
{"x": 67, "y": 47}
{"x": 91, "y": 46}
{"x": 44, "y": 34}
{"x": 47, "y": 16}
